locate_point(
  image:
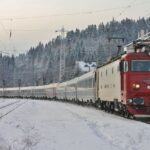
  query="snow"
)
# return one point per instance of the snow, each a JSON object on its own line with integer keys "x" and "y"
{"x": 86, "y": 67}
{"x": 50, "y": 125}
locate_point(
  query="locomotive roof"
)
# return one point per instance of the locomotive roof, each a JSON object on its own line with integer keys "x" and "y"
{"x": 30, "y": 87}
{"x": 112, "y": 60}
{"x": 75, "y": 80}
{"x": 129, "y": 55}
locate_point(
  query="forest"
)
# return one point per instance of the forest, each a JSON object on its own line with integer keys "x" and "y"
{"x": 40, "y": 65}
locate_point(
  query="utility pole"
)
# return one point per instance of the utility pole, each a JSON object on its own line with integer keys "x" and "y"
{"x": 4, "y": 84}
{"x": 62, "y": 57}
{"x": 19, "y": 85}
{"x": 3, "y": 74}
{"x": 32, "y": 63}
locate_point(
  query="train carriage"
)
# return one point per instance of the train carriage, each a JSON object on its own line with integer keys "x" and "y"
{"x": 108, "y": 79}
{"x": 51, "y": 90}
{"x": 10, "y": 92}
{"x": 122, "y": 84}
{"x": 61, "y": 90}
{"x": 43, "y": 91}
{"x": 71, "y": 90}
{"x": 86, "y": 87}
{"x": 26, "y": 92}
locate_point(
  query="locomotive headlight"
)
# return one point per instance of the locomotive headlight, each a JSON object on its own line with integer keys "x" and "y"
{"x": 130, "y": 100}
{"x": 136, "y": 86}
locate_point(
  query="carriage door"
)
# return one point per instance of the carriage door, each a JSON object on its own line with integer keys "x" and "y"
{"x": 124, "y": 70}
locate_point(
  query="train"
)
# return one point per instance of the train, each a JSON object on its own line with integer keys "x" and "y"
{"x": 121, "y": 85}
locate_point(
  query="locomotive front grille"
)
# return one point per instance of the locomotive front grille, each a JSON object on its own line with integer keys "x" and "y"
{"x": 138, "y": 101}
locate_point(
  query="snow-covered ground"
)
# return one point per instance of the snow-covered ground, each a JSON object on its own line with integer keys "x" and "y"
{"x": 43, "y": 125}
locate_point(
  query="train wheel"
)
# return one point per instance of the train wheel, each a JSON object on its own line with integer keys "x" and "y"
{"x": 98, "y": 104}
{"x": 126, "y": 113}
{"x": 103, "y": 105}
{"x": 112, "y": 108}
{"x": 131, "y": 116}
{"x": 108, "y": 106}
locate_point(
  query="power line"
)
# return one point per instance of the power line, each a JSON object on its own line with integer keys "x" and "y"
{"x": 132, "y": 4}
{"x": 28, "y": 30}
{"x": 74, "y": 13}
{"x": 65, "y": 14}
{"x": 125, "y": 9}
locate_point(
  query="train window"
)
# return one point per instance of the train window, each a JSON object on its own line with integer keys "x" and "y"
{"x": 93, "y": 83}
{"x": 81, "y": 83}
{"x": 84, "y": 83}
{"x": 140, "y": 65}
{"x": 89, "y": 83}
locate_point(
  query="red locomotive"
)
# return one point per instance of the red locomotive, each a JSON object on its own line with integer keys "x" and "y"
{"x": 123, "y": 85}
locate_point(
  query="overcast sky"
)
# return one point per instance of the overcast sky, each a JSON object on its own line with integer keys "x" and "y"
{"x": 32, "y": 21}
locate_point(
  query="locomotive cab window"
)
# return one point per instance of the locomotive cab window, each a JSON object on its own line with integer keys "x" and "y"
{"x": 140, "y": 66}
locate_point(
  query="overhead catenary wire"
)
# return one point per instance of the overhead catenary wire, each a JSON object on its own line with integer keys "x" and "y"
{"x": 64, "y": 14}
{"x": 90, "y": 12}
{"x": 28, "y": 30}
{"x": 125, "y": 9}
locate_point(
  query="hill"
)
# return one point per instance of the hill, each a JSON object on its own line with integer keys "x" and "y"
{"x": 40, "y": 65}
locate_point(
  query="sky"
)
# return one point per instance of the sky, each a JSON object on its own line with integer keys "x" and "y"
{"x": 32, "y": 21}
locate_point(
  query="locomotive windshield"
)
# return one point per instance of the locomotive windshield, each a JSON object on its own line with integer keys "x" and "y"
{"x": 140, "y": 65}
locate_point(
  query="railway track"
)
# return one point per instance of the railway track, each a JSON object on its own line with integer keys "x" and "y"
{"x": 144, "y": 120}
{"x": 2, "y": 101}
{"x": 10, "y": 107}
{"x": 7, "y": 105}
